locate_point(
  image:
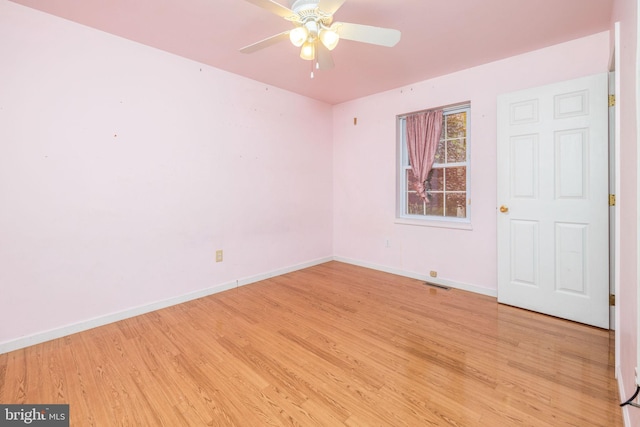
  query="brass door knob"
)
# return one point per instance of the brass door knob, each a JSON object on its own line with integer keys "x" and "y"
{"x": 504, "y": 209}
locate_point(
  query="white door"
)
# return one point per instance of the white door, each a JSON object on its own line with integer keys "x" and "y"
{"x": 553, "y": 243}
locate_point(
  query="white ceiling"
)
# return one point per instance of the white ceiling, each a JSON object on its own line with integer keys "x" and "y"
{"x": 438, "y": 37}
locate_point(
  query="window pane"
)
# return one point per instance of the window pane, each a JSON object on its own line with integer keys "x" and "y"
{"x": 457, "y": 150}
{"x": 457, "y": 125}
{"x": 435, "y": 205}
{"x": 435, "y": 180}
{"x": 456, "y": 178}
{"x": 415, "y": 204}
{"x": 456, "y": 205}
{"x": 439, "y": 157}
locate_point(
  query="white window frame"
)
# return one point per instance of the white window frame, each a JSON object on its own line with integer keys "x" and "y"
{"x": 403, "y": 166}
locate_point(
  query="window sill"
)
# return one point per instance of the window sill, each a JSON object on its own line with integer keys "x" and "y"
{"x": 437, "y": 224}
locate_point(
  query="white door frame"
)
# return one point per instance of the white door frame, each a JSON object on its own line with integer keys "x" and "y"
{"x": 615, "y": 247}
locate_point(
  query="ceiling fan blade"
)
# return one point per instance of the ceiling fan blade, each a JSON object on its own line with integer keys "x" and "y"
{"x": 368, "y": 34}
{"x": 277, "y": 9}
{"x": 325, "y": 62}
{"x": 330, "y": 6}
{"x": 265, "y": 43}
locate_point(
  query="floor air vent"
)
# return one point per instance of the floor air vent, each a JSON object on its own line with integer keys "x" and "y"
{"x": 434, "y": 285}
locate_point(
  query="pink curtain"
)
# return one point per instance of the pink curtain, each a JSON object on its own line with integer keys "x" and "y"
{"x": 423, "y": 136}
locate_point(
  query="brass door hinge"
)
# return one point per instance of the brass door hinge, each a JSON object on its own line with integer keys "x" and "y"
{"x": 612, "y": 199}
{"x": 612, "y": 100}
{"x": 612, "y": 300}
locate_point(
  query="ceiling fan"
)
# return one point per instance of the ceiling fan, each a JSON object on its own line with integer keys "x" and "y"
{"x": 316, "y": 34}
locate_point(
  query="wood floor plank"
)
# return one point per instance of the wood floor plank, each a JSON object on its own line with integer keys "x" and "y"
{"x": 333, "y": 344}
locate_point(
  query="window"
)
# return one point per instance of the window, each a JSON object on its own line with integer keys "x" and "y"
{"x": 447, "y": 185}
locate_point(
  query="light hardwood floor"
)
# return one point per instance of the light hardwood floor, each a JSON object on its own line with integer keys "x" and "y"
{"x": 331, "y": 345}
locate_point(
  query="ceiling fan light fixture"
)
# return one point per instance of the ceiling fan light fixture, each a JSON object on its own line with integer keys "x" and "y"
{"x": 315, "y": 33}
{"x": 298, "y": 36}
{"x": 329, "y": 38}
{"x": 308, "y": 51}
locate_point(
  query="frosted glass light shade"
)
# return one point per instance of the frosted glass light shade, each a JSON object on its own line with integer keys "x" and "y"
{"x": 308, "y": 51}
{"x": 329, "y": 38}
{"x": 298, "y": 36}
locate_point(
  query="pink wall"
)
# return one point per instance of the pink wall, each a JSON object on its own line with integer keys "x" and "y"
{"x": 365, "y": 164}
{"x": 124, "y": 168}
{"x": 625, "y": 13}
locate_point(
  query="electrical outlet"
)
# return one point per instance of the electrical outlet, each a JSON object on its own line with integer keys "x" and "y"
{"x": 219, "y": 255}
{"x": 433, "y": 273}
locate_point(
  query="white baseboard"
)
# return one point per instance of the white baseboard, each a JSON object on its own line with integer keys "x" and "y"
{"x": 437, "y": 281}
{"x": 282, "y": 271}
{"x": 60, "y": 332}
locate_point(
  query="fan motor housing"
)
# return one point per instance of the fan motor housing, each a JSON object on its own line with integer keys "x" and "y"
{"x": 299, "y": 5}
{"x": 308, "y": 10}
